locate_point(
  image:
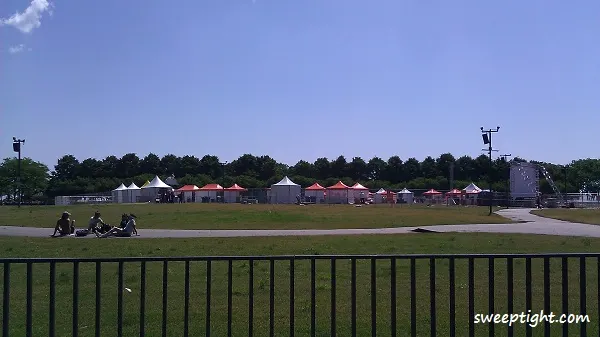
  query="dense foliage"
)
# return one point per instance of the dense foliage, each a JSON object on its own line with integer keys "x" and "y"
{"x": 72, "y": 177}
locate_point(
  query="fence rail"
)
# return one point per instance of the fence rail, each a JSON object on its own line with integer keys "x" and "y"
{"x": 314, "y": 295}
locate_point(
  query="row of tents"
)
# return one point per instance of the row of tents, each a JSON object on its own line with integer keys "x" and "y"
{"x": 283, "y": 192}
{"x": 151, "y": 189}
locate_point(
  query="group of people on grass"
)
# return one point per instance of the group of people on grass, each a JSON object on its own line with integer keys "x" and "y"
{"x": 66, "y": 226}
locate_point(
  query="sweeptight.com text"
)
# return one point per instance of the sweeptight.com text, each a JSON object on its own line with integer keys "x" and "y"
{"x": 533, "y": 319}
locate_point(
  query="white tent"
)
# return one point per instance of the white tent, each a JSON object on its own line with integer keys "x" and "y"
{"x": 405, "y": 196}
{"x": 117, "y": 193}
{"x": 358, "y": 191}
{"x": 133, "y": 193}
{"x": 472, "y": 189}
{"x": 285, "y": 191}
{"x": 378, "y": 199}
{"x": 151, "y": 190}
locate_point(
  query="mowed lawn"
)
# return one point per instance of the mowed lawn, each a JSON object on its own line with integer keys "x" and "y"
{"x": 372, "y": 244}
{"x": 238, "y": 216}
{"x": 588, "y": 216}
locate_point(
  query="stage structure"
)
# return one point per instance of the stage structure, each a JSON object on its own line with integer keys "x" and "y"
{"x": 525, "y": 181}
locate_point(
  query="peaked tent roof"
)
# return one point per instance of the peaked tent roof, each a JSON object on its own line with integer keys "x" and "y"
{"x": 358, "y": 186}
{"x": 286, "y": 182}
{"x": 472, "y": 188}
{"x": 454, "y": 191}
{"x": 235, "y": 187}
{"x": 339, "y": 186}
{"x": 381, "y": 191}
{"x": 156, "y": 183}
{"x": 146, "y": 184}
{"x": 405, "y": 191}
{"x": 431, "y": 192}
{"x": 188, "y": 188}
{"x": 120, "y": 188}
{"x": 211, "y": 187}
{"x": 133, "y": 186}
{"x": 315, "y": 187}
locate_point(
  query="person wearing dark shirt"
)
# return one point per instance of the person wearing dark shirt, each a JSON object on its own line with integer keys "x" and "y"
{"x": 64, "y": 225}
{"x": 124, "y": 219}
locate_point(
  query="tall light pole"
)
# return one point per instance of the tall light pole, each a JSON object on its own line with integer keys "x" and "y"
{"x": 223, "y": 180}
{"x": 487, "y": 139}
{"x": 17, "y": 148}
{"x": 566, "y": 196}
{"x": 504, "y": 156}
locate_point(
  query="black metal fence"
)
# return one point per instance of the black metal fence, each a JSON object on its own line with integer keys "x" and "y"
{"x": 378, "y": 295}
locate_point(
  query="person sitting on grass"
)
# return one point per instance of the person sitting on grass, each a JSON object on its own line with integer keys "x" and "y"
{"x": 130, "y": 229}
{"x": 124, "y": 220}
{"x": 94, "y": 221}
{"x": 64, "y": 225}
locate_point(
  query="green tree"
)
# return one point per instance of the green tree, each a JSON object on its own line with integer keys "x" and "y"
{"x": 67, "y": 168}
{"x": 150, "y": 164}
{"x": 34, "y": 178}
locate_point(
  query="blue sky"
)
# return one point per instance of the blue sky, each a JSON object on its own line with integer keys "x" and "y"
{"x": 299, "y": 79}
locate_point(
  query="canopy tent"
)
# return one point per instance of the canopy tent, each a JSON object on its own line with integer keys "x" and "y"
{"x": 154, "y": 187}
{"x": 316, "y": 192}
{"x": 188, "y": 188}
{"x": 231, "y": 194}
{"x": 338, "y": 193}
{"x": 117, "y": 193}
{"x": 379, "y": 196}
{"x": 405, "y": 196}
{"x": 133, "y": 192}
{"x": 146, "y": 183}
{"x": 472, "y": 189}
{"x": 285, "y": 191}
{"x": 209, "y": 192}
{"x": 189, "y": 192}
{"x": 453, "y": 193}
{"x": 157, "y": 183}
{"x": 359, "y": 191}
{"x": 432, "y": 193}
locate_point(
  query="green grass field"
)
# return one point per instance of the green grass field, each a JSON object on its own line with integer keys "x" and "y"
{"x": 371, "y": 244}
{"x": 588, "y": 216}
{"x": 237, "y": 216}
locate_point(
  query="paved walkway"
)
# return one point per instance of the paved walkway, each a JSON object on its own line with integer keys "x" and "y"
{"x": 533, "y": 225}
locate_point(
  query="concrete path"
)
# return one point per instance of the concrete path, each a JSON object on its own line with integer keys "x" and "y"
{"x": 533, "y": 225}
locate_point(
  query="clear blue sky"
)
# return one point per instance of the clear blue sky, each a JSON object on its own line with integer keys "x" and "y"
{"x": 300, "y": 79}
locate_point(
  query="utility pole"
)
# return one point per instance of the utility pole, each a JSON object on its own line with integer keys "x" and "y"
{"x": 504, "y": 156}
{"x": 566, "y": 204}
{"x": 566, "y": 167}
{"x": 451, "y": 173}
{"x": 223, "y": 181}
{"x": 487, "y": 140}
{"x": 17, "y": 148}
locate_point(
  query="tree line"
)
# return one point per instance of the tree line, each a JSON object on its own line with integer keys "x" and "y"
{"x": 73, "y": 177}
